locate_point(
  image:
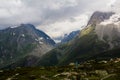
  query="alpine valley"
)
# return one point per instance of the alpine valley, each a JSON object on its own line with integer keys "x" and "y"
{"x": 25, "y": 46}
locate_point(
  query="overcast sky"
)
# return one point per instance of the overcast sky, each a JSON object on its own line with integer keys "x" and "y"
{"x": 55, "y": 17}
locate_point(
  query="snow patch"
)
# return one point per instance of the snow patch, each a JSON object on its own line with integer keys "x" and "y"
{"x": 13, "y": 27}
{"x": 23, "y": 35}
{"x": 13, "y": 34}
{"x": 40, "y": 38}
{"x": 48, "y": 38}
{"x": 40, "y": 42}
{"x": 36, "y": 40}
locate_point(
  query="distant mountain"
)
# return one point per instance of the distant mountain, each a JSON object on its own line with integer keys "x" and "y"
{"x": 70, "y": 36}
{"x": 100, "y": 36}
{"x": 22, "y": 41}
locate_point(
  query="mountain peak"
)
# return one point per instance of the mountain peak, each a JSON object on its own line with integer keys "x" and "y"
{"x": 98, "y": 17}
{"x": 27, "y": 26}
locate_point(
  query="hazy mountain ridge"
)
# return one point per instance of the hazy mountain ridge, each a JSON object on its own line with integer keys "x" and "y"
{"x": 70, "y": 36}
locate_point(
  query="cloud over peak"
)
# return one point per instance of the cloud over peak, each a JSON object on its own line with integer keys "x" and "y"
{"x": 52, "y": 16}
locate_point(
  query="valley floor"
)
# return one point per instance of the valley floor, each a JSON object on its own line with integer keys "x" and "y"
{"x": 89, "y": 70}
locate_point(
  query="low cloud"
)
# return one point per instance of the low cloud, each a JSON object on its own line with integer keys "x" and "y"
{"x": 55, "y": 17}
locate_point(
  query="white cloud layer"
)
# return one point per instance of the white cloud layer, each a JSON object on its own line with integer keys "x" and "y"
{"x": 55, "y": 17}
{"x": 58, "y": 29}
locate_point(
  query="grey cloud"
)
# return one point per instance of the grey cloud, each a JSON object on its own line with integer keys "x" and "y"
{"x": 43, "y": 13}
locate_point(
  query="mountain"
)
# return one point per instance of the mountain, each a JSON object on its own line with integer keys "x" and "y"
{"x": 98, "y": 40}
{"x": 101, "y": 35}
{"x": 24, "y": 41}
{"x": 70, "y": 36}
{"x": 98, "y": 17}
